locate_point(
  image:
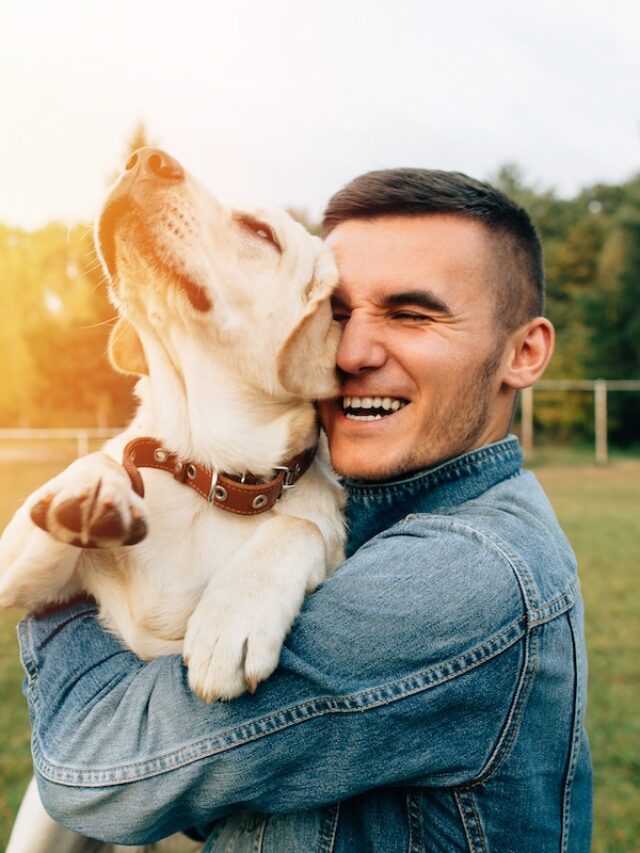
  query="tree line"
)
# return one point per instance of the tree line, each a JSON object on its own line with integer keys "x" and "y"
{"x": 592, "y": 261}
{"x": 57, "y": 316}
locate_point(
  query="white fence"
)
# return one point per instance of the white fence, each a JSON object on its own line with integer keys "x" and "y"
{"x": 82, "y": 437}
{"x": 600, "y": 389}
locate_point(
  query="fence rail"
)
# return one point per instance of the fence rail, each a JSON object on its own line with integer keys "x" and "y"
{"x": 600, "y": 389}
{"x": 81, "y": 436}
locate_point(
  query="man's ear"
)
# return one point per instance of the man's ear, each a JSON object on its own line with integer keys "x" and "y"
{"x": 125, "y": 350}
{"x": 529, "y": 351}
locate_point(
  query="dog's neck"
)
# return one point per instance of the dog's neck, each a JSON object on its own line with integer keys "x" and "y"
{"x": 207, "y": 413}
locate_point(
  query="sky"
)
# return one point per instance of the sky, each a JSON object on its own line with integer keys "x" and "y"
{"x": 283, "y": 101}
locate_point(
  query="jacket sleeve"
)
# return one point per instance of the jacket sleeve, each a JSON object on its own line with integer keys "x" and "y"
{"x": 403, "y": 668}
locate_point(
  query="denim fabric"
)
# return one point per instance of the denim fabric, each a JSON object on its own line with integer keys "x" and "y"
{"x": 431, "y": 695}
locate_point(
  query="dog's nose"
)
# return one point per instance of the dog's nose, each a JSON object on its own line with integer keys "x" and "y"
{"x": 153, "y": 161}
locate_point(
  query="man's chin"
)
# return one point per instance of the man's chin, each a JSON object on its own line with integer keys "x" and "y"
{"x": 369, "y": 470}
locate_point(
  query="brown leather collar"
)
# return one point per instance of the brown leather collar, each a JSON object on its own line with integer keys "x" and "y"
{"x": 244, "y": 496}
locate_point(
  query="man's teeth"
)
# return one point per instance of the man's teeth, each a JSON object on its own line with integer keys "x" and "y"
{"x": 388, "y": 405}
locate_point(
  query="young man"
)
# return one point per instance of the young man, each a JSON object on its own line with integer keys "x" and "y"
{"x": 431, "y": 695}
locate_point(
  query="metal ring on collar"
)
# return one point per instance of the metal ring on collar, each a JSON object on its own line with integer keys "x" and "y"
{"x": 212, "y": 487}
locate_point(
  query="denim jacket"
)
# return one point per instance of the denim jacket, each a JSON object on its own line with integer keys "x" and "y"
{"x": 431, "y": 695}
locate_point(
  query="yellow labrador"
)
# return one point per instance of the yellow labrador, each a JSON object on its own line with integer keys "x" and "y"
{"x": 225, "y": 315}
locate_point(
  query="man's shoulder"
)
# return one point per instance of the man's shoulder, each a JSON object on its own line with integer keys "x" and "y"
{"x": 425, "y": 591}
{"x": 434, "y": 568}
{"x": 509, "y": 534}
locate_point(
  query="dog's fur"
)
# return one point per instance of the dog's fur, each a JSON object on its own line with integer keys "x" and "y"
{"x": 225, "y": 315}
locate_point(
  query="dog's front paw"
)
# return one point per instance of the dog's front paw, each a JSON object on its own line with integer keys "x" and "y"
{"x": 91, "y": 505}
{"x": 232, "y": 644}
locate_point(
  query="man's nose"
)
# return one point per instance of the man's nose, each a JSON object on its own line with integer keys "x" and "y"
{"x": 152, "y": 163}
{"x": 361, "y": 346}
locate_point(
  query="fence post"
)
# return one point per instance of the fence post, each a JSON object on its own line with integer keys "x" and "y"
{"x": 600, "y": 399}
{"x": 83, "y": 442}
{"x": 526, "y": 421}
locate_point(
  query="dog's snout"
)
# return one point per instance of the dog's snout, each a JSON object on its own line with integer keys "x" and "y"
{"x": 154, "y": 162}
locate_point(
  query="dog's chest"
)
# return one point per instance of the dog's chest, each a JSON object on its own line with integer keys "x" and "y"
{"x": 148, "y": 591}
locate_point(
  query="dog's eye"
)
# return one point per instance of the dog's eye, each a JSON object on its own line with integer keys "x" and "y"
{"x": 261, "y": 230}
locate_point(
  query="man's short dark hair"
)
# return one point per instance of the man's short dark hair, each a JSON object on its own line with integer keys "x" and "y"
{"x": 519, "y": 270}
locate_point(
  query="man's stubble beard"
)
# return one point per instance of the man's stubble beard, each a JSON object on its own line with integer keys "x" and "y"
{"x": 456, "y": 428}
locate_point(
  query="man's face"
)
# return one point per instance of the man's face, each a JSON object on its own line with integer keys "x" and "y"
{"x": 420, "y": 353}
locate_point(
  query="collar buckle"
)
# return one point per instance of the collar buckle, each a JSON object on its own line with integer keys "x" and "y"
{"x": 290, "y": 475}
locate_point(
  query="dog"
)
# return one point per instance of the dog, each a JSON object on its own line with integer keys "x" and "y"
{"x": 225, "y": 316}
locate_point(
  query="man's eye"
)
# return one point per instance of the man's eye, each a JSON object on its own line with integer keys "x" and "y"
{"x": 412, "y": 316}
{"x": 261, "y": 230}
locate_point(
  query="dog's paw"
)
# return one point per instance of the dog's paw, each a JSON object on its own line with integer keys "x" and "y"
{"x": 232, "y": 645}
{"x": 91, "y": 505}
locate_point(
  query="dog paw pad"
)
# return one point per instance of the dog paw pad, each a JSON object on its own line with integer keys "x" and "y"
{"x": 69, "y": 514}
{"x": 40, "y": 511}
{"x": 109, "y": 524}
{"x": 137, "y": 531}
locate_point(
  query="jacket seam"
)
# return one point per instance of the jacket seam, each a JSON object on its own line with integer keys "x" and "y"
{"x": 574, "y": 747}
{"x": 416, "y": 840}
{"x": 473, "y": 830}
{"x": 25, "y": 638}
{"x": 258, "y": 844}
{"x": 506, "y": 740}
{"x": 329, "y": 829}
{"x": 369, "y": 699}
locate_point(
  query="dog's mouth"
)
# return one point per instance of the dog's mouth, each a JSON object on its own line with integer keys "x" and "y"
{"x": 111, "y": 216}
{"x": 110, "y": 220}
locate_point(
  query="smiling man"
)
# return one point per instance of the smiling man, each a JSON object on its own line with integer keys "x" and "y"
{"x": 431, "y": 695}
{"x": 421, "y": 331}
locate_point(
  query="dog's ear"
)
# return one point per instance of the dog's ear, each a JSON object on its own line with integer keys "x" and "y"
{"x": 125, "y": 350}
{"x": 307, "y": 361}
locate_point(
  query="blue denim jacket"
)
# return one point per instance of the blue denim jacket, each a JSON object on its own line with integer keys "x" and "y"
{"x": 430, "y": 696}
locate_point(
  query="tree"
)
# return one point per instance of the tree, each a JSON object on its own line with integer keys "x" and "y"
{"x": 613, "y": 317}
{"x": 66, "y": 334}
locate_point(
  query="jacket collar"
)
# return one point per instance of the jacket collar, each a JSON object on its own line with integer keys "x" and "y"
{"x": 375, "y": 506}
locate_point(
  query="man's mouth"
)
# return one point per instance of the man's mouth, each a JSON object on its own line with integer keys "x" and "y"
{"x": 371, "y": 408}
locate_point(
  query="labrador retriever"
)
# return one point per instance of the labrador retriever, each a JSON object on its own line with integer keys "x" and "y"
{"x": 225, "y": 316}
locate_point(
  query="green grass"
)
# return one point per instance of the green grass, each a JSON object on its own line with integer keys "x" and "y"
{"x": 599, "y": 509}
{"x": 17, "y": 480}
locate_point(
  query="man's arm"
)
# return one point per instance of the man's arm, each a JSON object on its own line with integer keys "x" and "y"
{"x": 402, "y": 669}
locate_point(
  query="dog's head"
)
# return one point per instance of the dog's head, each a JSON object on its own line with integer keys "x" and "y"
{"x": 250, "y": 288}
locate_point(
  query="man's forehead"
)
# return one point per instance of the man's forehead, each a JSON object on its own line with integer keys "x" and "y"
{"x": 436, "y": 253}
{"x": 407, "y": 224}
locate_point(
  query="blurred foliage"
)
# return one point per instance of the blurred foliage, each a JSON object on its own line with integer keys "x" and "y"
{"x": 54, "y": 348}
{"x": 592, "y": 259}
{"x": 53, "y": 288}
{"x": 56, "y": 371}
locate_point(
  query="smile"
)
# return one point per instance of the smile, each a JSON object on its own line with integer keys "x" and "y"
{"x": 371, "y": 408}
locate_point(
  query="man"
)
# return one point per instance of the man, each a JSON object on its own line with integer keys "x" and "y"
{"x": 431, "y": 695}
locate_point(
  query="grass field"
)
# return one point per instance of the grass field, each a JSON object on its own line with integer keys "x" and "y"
{"x": 599, "y": 509}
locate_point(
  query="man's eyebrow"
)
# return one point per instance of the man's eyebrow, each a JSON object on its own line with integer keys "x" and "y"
{"x": 421, "y": 298}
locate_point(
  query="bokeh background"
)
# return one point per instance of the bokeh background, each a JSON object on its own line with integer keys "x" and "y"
{"x": 282, "y": 102}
